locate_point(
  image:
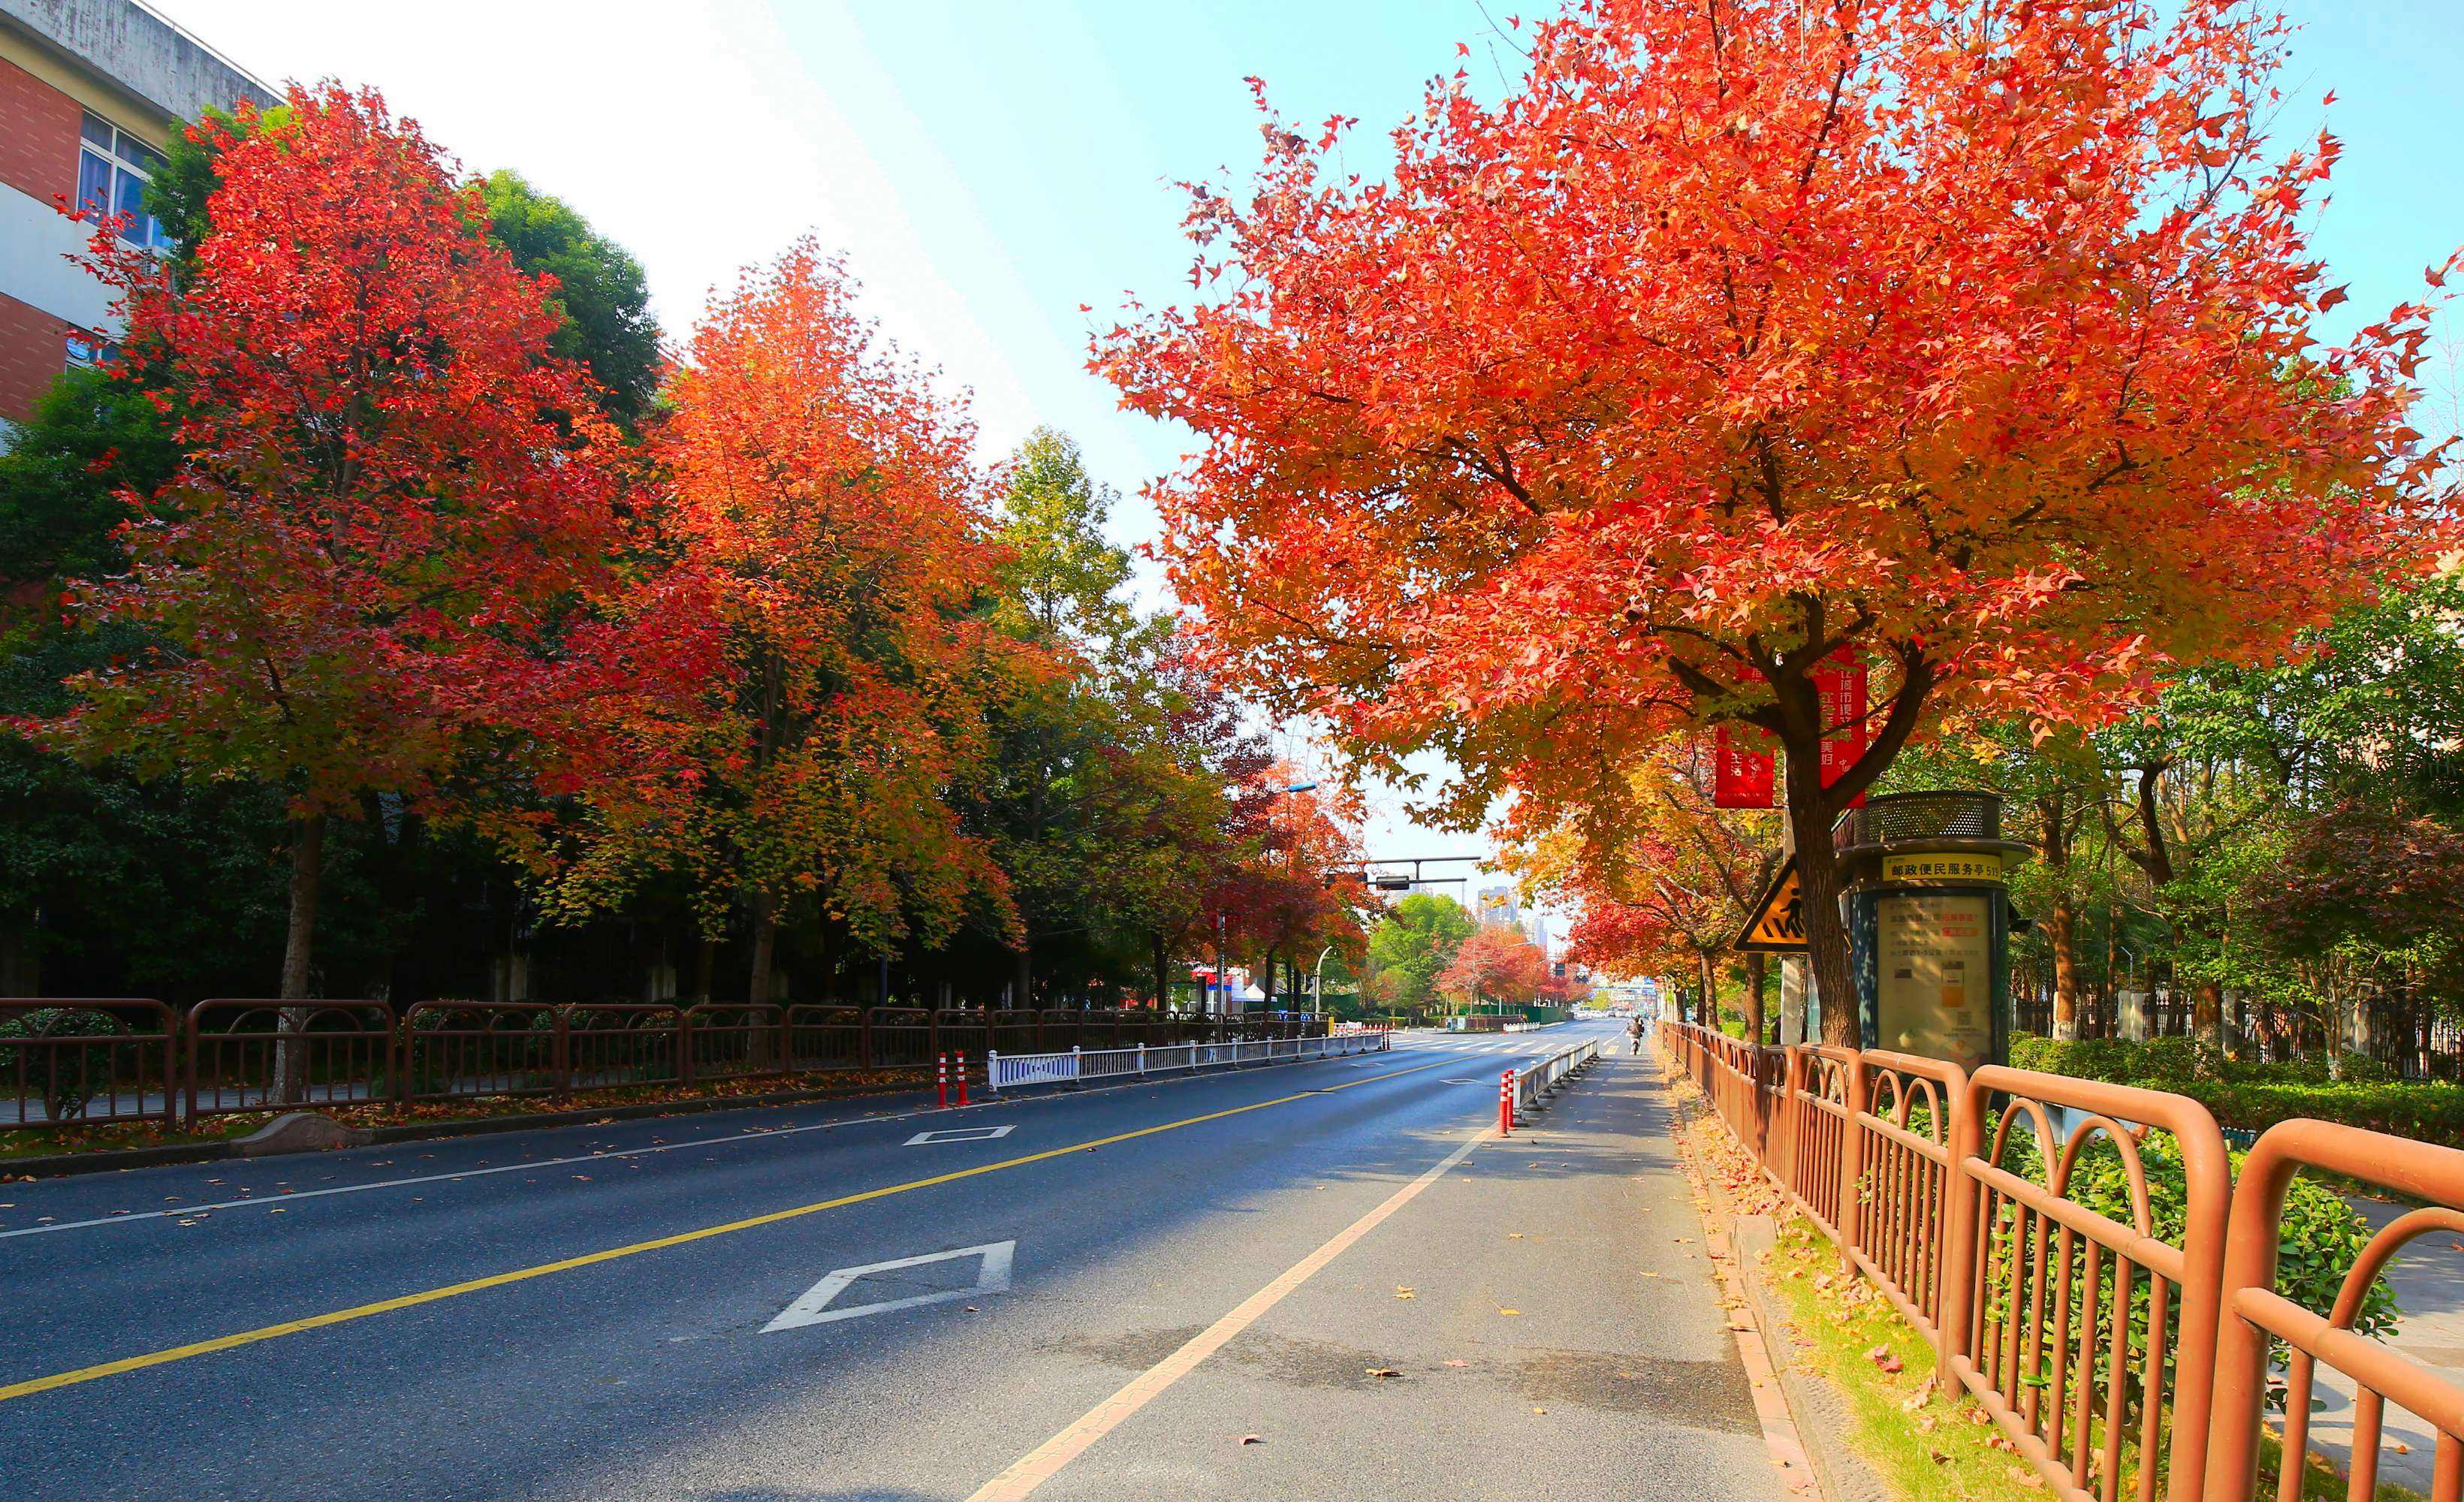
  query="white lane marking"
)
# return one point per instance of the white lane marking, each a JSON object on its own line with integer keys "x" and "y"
{"x": 532, "y": 1164}
{"x": 1046, "y": 1461}
{"x": 982, "y": 1133}
{"x": 1463, "y": 1082}
{"x": 812, "y": 1306}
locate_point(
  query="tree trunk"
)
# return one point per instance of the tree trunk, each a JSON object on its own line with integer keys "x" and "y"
{"x": 1711, "y": 988}
{"x": 765, "y": 947}
{"x": 1817, "y": 875}
{"x": 2061, "y": 937}
{"x": 1757, "y": 967}
{"x": 705, "y": 968}
{"x": 1162, "y": 973}
{"x": 2208, "y": 1014}
{"x": 1023, "y": 971}
{"x": 307, "y": 877}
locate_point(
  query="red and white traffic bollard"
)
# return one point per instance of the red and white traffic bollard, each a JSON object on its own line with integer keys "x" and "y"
{"x": 945, "y": 1083}
{"x": 1506, "y": 1104}
{"x": 962, "y": 1076}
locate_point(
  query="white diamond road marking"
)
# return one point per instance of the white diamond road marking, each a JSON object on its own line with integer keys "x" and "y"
{"x": 984, "y": 1134}
{"x": 813, "y": 1307}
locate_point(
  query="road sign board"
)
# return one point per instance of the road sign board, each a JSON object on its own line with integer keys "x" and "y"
{"x": 1777, "y": 925}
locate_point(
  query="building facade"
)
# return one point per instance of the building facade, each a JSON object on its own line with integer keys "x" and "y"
{"x": 1498, "y": 905}
{"x": 91, "y": 92}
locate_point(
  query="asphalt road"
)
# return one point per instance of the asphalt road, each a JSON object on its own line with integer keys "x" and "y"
{"x": 1150, "y": 1277}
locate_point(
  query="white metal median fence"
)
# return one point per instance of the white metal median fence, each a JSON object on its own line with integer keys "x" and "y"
{"x": 1078, "y": 1065}
{"x": 1524, "y": 1090}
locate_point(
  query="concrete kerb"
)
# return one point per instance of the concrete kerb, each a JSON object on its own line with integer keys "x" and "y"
{"x": 1801, "y": 1414}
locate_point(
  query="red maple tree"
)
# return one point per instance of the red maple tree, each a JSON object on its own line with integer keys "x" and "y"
{"x": 392, "y": 523}
{"x": 1496, "y": 964}
{"x": 827, "y": 502}
{"x": 1974, "y": 340}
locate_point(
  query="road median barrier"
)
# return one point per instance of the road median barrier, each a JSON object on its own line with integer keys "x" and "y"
{"x": 1015, "y": 1071}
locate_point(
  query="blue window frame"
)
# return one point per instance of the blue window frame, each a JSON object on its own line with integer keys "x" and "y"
{"x": 112, "y": 168}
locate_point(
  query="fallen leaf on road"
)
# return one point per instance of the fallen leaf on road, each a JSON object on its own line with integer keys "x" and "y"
{"x": 1539, "y": 1410}
{"x": 1514, "y": 1235}
{"x": 1404, "y": 1292}
{"x": 1881, "y": 1356}
{"x": 1381, "y": 1371}
{"x": 1509, "y": 1311}
{"x": 1253, "y": 1439}
{"x": 972, "y": 1309}
{"x": 1458, "y": 1361}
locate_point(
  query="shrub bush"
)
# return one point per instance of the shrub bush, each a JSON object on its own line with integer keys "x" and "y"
{"x": 2253, "y": 1096}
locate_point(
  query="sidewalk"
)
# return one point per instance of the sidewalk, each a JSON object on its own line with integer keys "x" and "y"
{"x": 2428, "y": 1280}
{"x": 1544, "y": 1322}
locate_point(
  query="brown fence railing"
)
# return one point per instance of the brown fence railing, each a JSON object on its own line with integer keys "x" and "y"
{"x": 2120, "y": 1354}
{"x": 78, "y": 1062}
{"x": 88, "y": 1061}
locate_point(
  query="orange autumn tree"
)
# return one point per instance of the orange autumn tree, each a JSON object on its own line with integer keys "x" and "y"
{"x": 1662, "y": 878}
{"x": 381, "y": 566}
{"x": 1291, "y": 883}
{"x": 1976, "y": 340}
{"x": 826, "y": 499}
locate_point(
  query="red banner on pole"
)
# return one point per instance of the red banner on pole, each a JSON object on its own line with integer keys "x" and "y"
{"x": 1744, "y": 774}
{"x": 1839, "y": 680}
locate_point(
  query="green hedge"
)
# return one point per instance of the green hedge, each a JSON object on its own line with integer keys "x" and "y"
{"x": 2255, "y": 1096}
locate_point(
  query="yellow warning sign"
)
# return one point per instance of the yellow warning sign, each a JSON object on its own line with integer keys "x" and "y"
{"x": 1778, "y": 921}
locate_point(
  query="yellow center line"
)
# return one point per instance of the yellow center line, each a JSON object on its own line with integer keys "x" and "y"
{"x": 293, "y": 1327}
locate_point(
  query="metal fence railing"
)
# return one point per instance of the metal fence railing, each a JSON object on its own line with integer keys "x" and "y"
{"x": 2121, "y": 1344}
{"x": 77, "y": 1062}
{"x": 87, "y": 1062}
{"x": 1080, "y": 1066}
{"x": 1536, "y": 1082}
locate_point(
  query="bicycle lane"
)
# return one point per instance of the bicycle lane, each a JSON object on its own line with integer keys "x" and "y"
{"x": 1541, "y": 1322}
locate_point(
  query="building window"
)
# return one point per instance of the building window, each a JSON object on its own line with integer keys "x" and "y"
{"x": 113, "y": 169}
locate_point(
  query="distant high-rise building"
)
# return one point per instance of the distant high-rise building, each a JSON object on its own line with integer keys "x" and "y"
{"x": 1497, "y": 905}
{"x": 1536, "y": 927}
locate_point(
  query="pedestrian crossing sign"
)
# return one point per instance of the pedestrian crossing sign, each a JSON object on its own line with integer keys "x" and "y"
{"x": 1777, "y": 925}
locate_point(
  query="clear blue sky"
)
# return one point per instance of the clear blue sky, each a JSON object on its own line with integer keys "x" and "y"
{"x": 991, "y": 165}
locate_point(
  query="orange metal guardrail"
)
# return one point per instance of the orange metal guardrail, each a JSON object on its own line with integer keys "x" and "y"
{"x": 2114, "y": 1355}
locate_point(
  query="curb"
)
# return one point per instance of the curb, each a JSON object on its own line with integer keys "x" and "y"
{"x": 1805, "y": 1472}
{"x": 1812, "y": 1412}
{"x": 112, "y": 1160}
{"x": 1816, "y": 1406}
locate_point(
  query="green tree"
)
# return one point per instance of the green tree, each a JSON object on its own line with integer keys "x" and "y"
{"x": 601, "y": 293}
{"x": 1413, "y": 946}
{"x": 1105, "y": 795}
